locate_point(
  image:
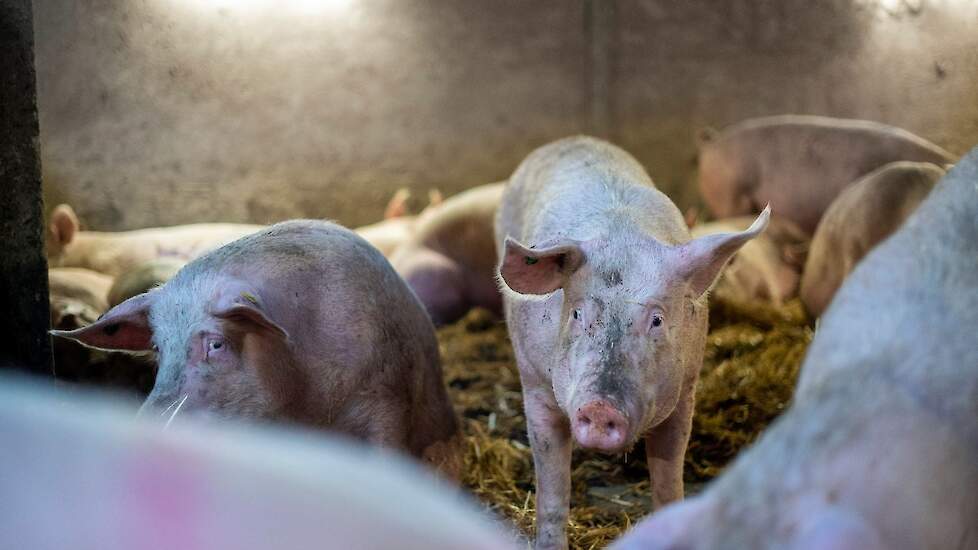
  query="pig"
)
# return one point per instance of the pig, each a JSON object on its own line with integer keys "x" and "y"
{"x": 605, "y": 296}
{"x": 114, "y": 253}
{"x": 143, "y": 277}
{"x": 397, "y": 225}
{"x": 798, "y": 163}
{"x": 302, "y": 322}
{"x": 767, "y": 268}
{"x": 77, "y": 297}
{"x": 878, "y": 447}
{"x": 864, "y": 214}
{"x": 77, "y": 292}
{"x": 450, "y": 259}
{"x": 76, "y": 471}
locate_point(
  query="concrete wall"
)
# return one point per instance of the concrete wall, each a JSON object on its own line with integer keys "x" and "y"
{"x": 171, "y": 111}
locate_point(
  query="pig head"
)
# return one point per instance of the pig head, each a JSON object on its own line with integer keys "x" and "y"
{"x": 627, "y": 315}
{"x": 223, "y": 355}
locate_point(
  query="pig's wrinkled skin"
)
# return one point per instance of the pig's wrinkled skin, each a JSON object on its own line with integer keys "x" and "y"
{"x": 878, "y": 450}
{"x": 143, "y": 278}
{"x": 766, "y": 268}
{"x": 605, "y": 298}
{"x": 302, "y": 322}
{"x": 450, "y": 259}
{"x": 798, "y": 164}
{"x": 864, "y": 214}
{"x": 115, "y": 253}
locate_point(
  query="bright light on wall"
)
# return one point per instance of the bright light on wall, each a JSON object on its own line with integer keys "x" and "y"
{"x": 299, "y": 7}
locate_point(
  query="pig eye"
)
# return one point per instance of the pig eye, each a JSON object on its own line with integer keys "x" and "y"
{"x": 577, "y": 314}
{"x": 656, "y": 320}
{"x": 214, "y": 345}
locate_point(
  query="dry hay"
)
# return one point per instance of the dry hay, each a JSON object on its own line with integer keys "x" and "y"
{"x": 752, "y": 359}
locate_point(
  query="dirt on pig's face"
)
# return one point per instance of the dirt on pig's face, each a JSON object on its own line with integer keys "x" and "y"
{"x": 620, "y": 341}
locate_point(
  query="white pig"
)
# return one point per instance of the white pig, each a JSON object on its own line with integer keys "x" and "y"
{"x": 605, "y": 297}
{"x": 77, "y": 471}
{"x": 798, "y": 164}
{"x": 114, "y": 253}
{"x": 398, "y": 225}
{"x": 143, "y": 277}
{"x": 302, "y": 322}
{"x": 878, "y": 450}
{"x": 450, "y": 258}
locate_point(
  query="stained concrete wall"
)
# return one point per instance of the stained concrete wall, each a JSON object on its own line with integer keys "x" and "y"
{"x": 162, "y": 112}
{"x": 24, "y": 342}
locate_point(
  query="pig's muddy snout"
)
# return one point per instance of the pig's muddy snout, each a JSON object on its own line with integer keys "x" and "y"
{"x": 600, "y": 426}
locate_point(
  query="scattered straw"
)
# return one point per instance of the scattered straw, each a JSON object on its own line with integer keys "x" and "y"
{"x": 752, "y": 359}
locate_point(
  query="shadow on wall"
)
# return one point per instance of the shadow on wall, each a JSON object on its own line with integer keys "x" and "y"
{"x": 181, "y": 111}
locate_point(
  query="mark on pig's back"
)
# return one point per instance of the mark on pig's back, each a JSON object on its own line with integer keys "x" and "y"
{"x": 612, "y": 278}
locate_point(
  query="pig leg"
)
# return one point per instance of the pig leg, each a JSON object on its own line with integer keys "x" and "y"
{"x": 550, "y": 441}
{"x": 665, "y": 448}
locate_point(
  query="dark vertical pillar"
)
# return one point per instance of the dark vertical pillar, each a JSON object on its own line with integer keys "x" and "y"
{"x": 24, "y": 314}
{"x": 599, "y": 30}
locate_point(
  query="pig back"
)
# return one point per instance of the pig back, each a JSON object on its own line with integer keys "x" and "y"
{"x": 567, "y": 189}
{"x": 800, "y": 163}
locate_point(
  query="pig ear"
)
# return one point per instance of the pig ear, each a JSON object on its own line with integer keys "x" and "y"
{"x": 539, "y": 270}
{"x": 245, "y": 307}
{"x": 124, "y": 327}
{"x": 64, "y": 224}
{"x": 397, "y": 206}
{"x": 702, "y": 259}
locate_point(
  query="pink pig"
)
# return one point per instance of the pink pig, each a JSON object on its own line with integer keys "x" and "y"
{"x": 115, "y": 253}
{"x": 605, "y": 297}
{"x": 862, "y": 216}
{"x": 302, "y": 322}
{"x": 798, "y": 164}
{"x": 450, "y": 258}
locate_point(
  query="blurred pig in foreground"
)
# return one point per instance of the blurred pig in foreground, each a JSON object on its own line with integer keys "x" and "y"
{"x": 798, "y": 164}
{"x": 450, "y": 258}
{"x": 114, "y": 253}
{"x": 766, "y": 268}
{"x": 867, "y": 212}
{"x": 878, "y": 449}
{"x": 129, "y": 485}
{"x": 605, "y": 298}
{"x": 302, "y": 322}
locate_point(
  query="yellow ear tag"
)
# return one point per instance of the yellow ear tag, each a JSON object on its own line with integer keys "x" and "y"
{"x": 250, "y": 297}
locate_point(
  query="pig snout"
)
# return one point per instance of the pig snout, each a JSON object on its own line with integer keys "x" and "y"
{"x": 600, "y": 426}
